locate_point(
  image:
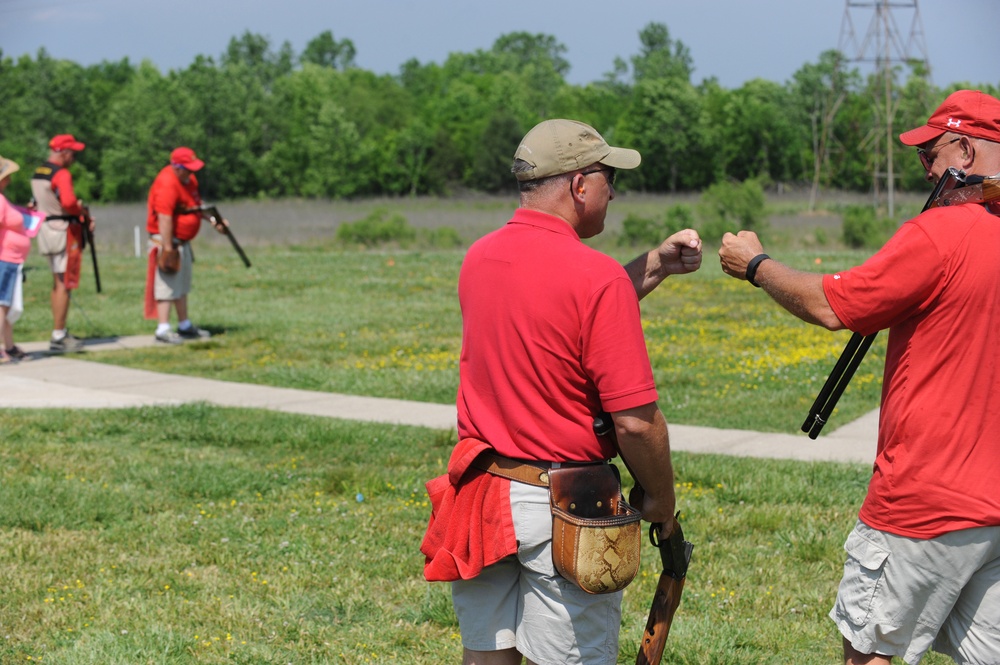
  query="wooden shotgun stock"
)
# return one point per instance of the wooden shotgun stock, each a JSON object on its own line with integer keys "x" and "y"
{"x": 675, "y": 553}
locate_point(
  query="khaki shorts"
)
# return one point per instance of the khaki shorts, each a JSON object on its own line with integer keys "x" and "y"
{"x": 177, "y": 285}
{"x": 52, "y": 244}
{"x": 523, "y": 602}
{"x": 903, "y": 596}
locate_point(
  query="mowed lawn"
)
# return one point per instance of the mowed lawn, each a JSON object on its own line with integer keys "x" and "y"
{"x": 206, "y": 535}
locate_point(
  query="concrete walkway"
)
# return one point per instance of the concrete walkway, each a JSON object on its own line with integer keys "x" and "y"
{"x": 70, "y": 381}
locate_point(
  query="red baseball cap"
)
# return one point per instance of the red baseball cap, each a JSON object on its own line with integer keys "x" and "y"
{"x": 65, "y": 142}
{"x": 968, "y": 112}
{"x": 185, "y": 157}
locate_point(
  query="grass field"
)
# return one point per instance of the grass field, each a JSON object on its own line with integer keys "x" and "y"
{"x": 207, "y": 535}
{"x": 322, "y": 316}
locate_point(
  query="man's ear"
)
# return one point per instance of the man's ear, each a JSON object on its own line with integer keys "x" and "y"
{"x": 578, "y": 187}
{"x": 968, "y": 152}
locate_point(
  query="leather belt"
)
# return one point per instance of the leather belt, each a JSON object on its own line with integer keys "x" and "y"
{"x": 523, "y": 471}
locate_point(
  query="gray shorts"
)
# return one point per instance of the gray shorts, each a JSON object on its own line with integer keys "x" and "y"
{"x": 523, "y": 602}
{"x": 903, "y": 596}
{"x": 177, "y": 285}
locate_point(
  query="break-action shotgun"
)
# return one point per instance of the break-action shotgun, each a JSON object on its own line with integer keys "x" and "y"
{"x": 217, "y": 219}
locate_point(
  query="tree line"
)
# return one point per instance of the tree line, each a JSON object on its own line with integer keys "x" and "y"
{"x": 271, "y": 123}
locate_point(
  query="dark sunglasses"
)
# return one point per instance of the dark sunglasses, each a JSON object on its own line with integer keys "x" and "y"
{"x": 926, "y": 159}
{"x": 609, "y": 173}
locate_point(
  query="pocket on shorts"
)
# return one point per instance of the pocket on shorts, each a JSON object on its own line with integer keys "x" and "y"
{"x": 862, "y": 575}
{"x": 52, "y": 238}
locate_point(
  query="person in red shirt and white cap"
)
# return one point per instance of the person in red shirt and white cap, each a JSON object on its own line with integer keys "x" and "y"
{"x": 60, "y": 240}
{"x": 923, "y": 561}
{"x": 173, "y": 222}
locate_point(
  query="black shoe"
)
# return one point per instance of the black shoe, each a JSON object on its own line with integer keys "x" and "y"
{"x": 15, "y": 353}
{"x": 194, "y": 332}
{"x": 68, "y": 344}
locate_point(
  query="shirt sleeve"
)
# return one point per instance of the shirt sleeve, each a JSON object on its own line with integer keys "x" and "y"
{"x": 899, "y": 281}
{"x": 62, "y": 184}
{"x": 614, "y": 348}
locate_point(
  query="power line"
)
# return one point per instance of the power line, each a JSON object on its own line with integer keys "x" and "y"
{"x": 882, "y": 45}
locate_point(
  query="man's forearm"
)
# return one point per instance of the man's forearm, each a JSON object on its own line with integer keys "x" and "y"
{"x": 801, "y": 293}
{"x": 166, "y": 225}
{"x": 646, "y": 272}
{"x": 645, "y": 447}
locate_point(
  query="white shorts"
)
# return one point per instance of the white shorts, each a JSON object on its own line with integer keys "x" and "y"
{"x": 523, "y": 602}
{"x": 903, "y": 596}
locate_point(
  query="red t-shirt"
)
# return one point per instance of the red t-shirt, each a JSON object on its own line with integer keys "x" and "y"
{"x": 551, "y": 335}
{"x": 936, "y": 286}
{"x": 168, "y": 196}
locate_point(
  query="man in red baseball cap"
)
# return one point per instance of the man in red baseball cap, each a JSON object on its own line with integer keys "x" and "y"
{"x": 60, "y": 240}
{"x": 923, "y": 560}
{"x": 967, "y": 122}
{"x": 173, "y": 221}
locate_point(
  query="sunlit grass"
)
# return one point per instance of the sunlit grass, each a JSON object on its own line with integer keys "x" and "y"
{"x": 206, "y": 535}
{"x": 387, "y": 323}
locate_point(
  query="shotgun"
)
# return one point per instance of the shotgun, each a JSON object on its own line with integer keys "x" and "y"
{"x": 675, "y": 554}
{"x": 88, "y": 239}
{"x": 950, "y": 184}
{"x": 217, "y": 219}
{"x": 84, "y": 219}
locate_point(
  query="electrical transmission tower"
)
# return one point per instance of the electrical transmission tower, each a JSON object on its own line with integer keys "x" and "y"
{"x": 883, "y": 47}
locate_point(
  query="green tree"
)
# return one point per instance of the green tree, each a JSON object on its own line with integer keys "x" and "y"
{"x": 318, "y": 149}
{"x": 818, "y": 92}
{"x": 253, "y": 53}
{"x": 662, "y": 123}
{"x": 326, "y": 51}
{"x": 759, "y": 135}
{"x": 661, "y": 57}
{"x": 140, "y": 128}
{"x": 491, "y": 166}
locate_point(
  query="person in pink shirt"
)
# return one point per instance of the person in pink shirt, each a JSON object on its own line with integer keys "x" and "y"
{"x": 17, "y": 227}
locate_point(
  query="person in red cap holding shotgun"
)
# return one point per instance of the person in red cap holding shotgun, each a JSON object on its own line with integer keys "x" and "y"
{"x": 172, "y": 224}
{"x": 923, "y": 561}
{"x": 60, "y": 240}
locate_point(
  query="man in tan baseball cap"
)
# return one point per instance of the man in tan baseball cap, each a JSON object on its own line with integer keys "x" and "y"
{"x": 555, "y": 147}
{"x": 551, "y": 336}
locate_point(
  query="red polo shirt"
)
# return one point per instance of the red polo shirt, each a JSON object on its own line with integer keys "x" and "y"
{"x": 551, "y": 335}
{"x": 168, "y": 196}
{"x": 936, "y": 286}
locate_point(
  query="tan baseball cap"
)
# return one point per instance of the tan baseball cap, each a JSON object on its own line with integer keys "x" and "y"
{"x": 560, "y": 146}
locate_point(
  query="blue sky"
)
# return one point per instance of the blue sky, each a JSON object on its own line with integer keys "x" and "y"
{"x": 733, "y": 40}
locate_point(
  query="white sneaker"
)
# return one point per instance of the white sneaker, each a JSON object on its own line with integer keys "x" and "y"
{"x": 68, "y": 344}
{"x": 169, "y": 337}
